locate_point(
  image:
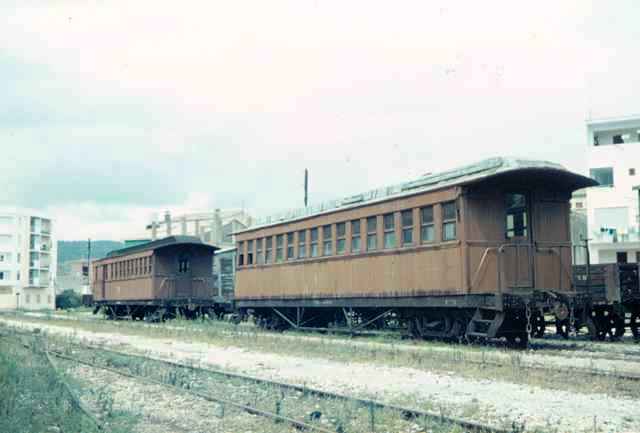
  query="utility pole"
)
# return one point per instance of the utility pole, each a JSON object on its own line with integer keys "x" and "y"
{"x": 306, "y": 187}
{"x": 88, "y": 261}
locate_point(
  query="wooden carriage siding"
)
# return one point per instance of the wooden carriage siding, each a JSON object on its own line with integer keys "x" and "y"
{"x": 156, "y": 271}
{"x": 434, "y": 236}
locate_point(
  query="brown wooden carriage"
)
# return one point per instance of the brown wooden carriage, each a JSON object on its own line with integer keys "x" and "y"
{"x": 157, "y": 279}
{"x": 480, "y": 252}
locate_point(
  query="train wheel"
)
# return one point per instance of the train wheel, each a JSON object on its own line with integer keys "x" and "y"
{"x": 562, "y": 328}
{"x": 615, "y": 327}
{"x": 634, "y": 324}
{"x": 596, "y": 332}
{"x": 518, "y": 340}
{"x": 539, "y": 325}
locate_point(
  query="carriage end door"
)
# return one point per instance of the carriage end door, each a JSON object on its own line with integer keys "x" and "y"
{"x": 517, "y": 257}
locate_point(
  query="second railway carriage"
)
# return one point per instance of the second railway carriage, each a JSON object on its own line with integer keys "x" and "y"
{"x": 157, "y": 279}
{"x": 480, "y": 252}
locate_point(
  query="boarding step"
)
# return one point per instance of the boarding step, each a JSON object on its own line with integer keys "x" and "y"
{"x": 484, "y": 323}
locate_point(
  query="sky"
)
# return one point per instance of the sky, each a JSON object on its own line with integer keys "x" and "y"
{"x": 111, "y": 111}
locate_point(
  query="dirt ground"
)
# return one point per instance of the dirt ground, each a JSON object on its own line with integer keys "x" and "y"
{"x": 499, "y": 402}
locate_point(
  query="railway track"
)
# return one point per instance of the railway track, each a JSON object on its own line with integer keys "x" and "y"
{"x": 409, "y": 414}
{"x": 370, "y": 407}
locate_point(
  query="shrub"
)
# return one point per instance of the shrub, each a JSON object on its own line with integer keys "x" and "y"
{"x": 68, "y": 299}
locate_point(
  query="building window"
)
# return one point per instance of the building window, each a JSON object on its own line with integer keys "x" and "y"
{"x": 259, "y": 256}
{"x": 250, "y": 252}
{"x": 604, "y": 175}
{"x": 302, "y": 244}
{"x": 3, "y": 275}
{"x": 618, "y": 139}
{"x": 279, "y": 248}
{"x": 240, "y": 253}
{"x": 632, "y": 172}
{"x": 372, "y": 238}
{"x": 449, "y": 218}
{"x": 290, "y": 244}
{"x": 3, "y": 258}
{"x": 28, "y": 298}
{"x": 389, "y": 231}
{"x": 327, "y": 249}
{"x": 18, "y": 275}
{"x": 621, "y": 257}
{"x": 48, "y": 299}
{"x": 355, "y": 237}
{"x": 38, "y": 298}
{"x": 341, "y": 234}
{"x": 268, "y": 249}
{"x": 427, "y": 228}
{"x": 407, "y": 227}
{"x": 516, "y": 216}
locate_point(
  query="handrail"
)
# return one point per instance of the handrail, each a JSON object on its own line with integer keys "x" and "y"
{"x": 480, "y": 266}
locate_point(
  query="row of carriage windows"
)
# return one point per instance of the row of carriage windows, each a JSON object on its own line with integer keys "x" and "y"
{"x": 131, "y": 268}
{"x": 321, "y": 239}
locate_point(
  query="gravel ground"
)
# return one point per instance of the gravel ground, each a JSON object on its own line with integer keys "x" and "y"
{"x": 484, "y": 400}
{"x": 617, "y": 358}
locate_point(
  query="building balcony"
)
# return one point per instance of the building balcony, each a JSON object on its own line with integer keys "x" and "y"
{"x": 612, "y": 236}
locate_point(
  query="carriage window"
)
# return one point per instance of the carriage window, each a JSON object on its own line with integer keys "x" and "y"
{"x": 516, "y": 216}
{"x": 449, "y": 221}
{"x": 372, "y": 238}
{"x": 389, "y": 231}
{"x": 183, "y": 265}
{"x": 355, "y": 236}
{"x": 267, "y": 257}
{"x": 290, "y": 246}
{"x": 279, "y": 247}
{"x": 259, "y": 246}
{"x": 249, "y": 252}
{"x": 314, "y": 242}
{"x": 326, "y": 238}
{"x": 240, "y": 253}
{"x": 407, "y": 227}
{"x": 427, "y": 228}
{"x": 341, "y": 233}
{"x": 302, "y": 244}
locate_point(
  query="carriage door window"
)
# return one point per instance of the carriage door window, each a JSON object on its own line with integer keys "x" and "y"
{"x": 183, "y": 264}
{"x": 517, "y": 218}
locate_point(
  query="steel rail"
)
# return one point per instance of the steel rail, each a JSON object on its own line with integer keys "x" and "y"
{"x": 205, "y": 396}
{"x": 75, "y": 400}
{"x": 406, "y": 412}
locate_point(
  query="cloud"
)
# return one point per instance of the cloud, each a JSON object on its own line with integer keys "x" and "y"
{"x": 138, "y": 107}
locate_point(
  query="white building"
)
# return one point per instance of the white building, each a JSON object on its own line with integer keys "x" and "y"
{"x": 612, "y": 208}
{"x": 27, "y": 261}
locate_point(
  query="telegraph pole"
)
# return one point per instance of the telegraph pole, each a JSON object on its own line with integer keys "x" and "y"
{"x": 306, "y": 187}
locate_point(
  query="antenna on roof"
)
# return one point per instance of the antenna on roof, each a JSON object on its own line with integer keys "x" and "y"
{"x": 306, "y": 187}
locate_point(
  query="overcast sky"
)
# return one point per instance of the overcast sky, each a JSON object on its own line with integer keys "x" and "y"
{"x": 113, "y": 110}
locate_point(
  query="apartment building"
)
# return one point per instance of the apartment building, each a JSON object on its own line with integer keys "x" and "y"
{"x": 613, "y": 212}
{"x": 27, "y": 260}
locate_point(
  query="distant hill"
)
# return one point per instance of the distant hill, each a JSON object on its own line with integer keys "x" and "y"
{"x": 74, "y": 250}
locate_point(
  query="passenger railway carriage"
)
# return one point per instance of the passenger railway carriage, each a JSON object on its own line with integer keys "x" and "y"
{"x": 479, "y": 252}
{"x": 158, "y": 279}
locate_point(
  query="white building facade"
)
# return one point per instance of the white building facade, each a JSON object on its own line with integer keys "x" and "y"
{"x": 613, "y": 207}
{"x": 28, "y": 256}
